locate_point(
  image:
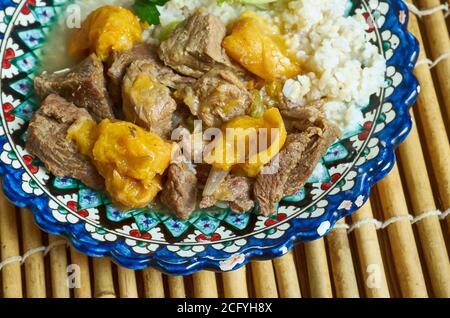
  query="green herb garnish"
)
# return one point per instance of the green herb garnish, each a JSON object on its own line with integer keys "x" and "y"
{"x": 166, "y": 31}
{"x": 147, "y": 11}
{"x": 257, "y": 108}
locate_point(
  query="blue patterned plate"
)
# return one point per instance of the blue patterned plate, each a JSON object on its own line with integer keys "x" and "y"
{"x": 213, "y": 240}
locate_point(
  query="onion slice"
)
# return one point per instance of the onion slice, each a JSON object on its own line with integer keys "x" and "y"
{"x": 215, "y": 179}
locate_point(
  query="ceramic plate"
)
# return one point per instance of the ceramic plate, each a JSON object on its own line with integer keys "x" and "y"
{"x": 213, "y": 240}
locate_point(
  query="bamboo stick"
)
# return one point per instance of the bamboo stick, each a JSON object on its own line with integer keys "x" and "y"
{"x": 430, "y": 116}
{"x": 153, "y": 283}
{"x": 401, "y": 237}
{"x": 34, "y": 264}
{"x": 436, "y": 29}
{"x": 389, "y": 261}
{"x": 369, "y": 253}
{"x": 9, "y": 242}
{"x": 84, "y": 290}
{"x": 342, "y": 264}
{"x": 286, "y": 274}
{"x": 103, "y": 278}
{"x": 318, "y": 274}
{"x": 58, "y": 269}
{"x": 127, "y": 283}
{"x": 205, "y": 285}
{"x": 250, "y": 284}
{"x": 302, "y": 272}
{"x": 264, "y": 279}
{"x": 446, "y": 18}
{"x": 421, "y": 194}
{"x": 176, "y": 286}
{"x": 235, "y": 283}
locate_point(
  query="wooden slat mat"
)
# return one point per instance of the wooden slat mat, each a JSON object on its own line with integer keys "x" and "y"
{"x": 397, "y": 245}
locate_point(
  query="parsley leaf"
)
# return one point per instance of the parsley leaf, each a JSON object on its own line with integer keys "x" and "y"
{"x": 147, "y": 10}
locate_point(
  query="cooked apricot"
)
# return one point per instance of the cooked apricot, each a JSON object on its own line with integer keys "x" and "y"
{"x": 130, "y": 159}
{"x": 248, "y": 143}
{"x": 259, "y": 47}
{"x": 107, "y": 29}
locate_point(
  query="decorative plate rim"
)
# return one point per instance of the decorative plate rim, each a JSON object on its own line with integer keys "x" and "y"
{"x": 121, "y": 253}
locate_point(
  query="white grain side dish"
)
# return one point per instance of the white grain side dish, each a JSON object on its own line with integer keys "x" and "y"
{"x": 339, "y": 64}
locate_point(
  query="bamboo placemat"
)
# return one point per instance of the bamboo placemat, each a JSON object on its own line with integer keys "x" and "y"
{"x": 397, "y": 245}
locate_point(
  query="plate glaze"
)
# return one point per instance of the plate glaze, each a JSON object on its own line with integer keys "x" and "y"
{"x": 211, "y": 239}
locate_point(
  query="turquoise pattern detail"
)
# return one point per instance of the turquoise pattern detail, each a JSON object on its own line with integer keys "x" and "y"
{"x": 176, "y": 227}
{"x": 44, "y": 15}
{"x": 23, "y": 86}
{"x": 65, "y": 183}
{"x": 33, "y": 38}
{"x": 146, "y": 221}
{"x": 335, "y": 152}
{"x": 238, "y": 221}
{"x": 88, "y": 198}
{"x": 25, "y": 110}
{"x": 26, "y": 63}
{"x": 320, "y": 174}
{"x": 115, "y": 215}
{"x": 299, "y": 196}
{"x": 207, "y": 224}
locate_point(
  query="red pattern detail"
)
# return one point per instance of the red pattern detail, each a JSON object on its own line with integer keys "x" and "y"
{"x": 270, "y": 222}
{"x": 7, "y": 108}
{"x": 327, "y": 185}
{"x": 203, "y": 238}
{"x": 367, "y": 127}
{"x": 72, "y": 205}
{"x": 9, "y": 54}
{"x": 146, "y": 236}
{"x": 137, "y": 234}
{"x": 280, "y": 217}
{"x": 335, "y": 177}
{"x": 83, "y": 213}
{"x": 369, "y": 21}
{"x": 26, "y": 9}
{"x": 29, "y": 162}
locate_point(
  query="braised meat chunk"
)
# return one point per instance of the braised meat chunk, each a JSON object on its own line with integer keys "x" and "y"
{"x": 120, "y": 61}
{"x": 47, "y": 140}
{"x": 195, "y": 46}
{"x": 146, "y": 102}
{"x": 290, "y": 169}
{"x": 117, "y": 66}
{"x": 180, "y": 190}
{"x": 84, "y": 85}
{"x": 301, "y": 117}
{"x": 236, "y": 191}
{"x": 217, "y": 97}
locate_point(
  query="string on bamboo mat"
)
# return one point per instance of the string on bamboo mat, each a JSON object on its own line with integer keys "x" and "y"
{"x": 42, "y": 249}
{"x": 431, "y": 63}
{"x": 379, "y": 225}
{"x": 430, "y": 11}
